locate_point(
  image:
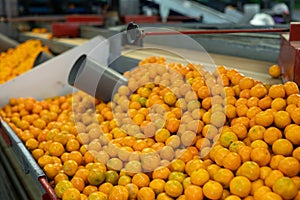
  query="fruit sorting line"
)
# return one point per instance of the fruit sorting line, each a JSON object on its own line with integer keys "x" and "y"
{"x": 43, "y": 181}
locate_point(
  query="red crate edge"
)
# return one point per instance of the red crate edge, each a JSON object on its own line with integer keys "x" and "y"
{"x": 50, "y": 193}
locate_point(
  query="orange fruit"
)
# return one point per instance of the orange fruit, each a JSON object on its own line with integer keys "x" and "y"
{"x": 291, "y": 88}
{"x": 264, "y": 118}
{"x": 236, "y": 78}
{"x": 246, "y": 83}
{"x": 78, "y": 183}
{"x": 186, "y": 182}
{"x": 256, "y": 185}
{"x": 44, "y": 160}
{"x": 193, "y": 165}
{"x": 170, "y": 98}
{"x": 173, "y": 188}
{"x": 32, "y": 144}
{"x": 240, "y": 186}
{"x": 256, "y": 132}
{"x": 252, "y": 111}
{"x": 293, "y": 99}
{"x": 37, "y": 153}
{"x": 172, "y": 124}
{"x": 274, "y": 71}
{"x": 72, "y": 145}
{"x": 282, "y": 119}
{"x": 296, "y": 153}
{"x": 157, "y": 185}
{"x": 162, "y": 135}
{"x": 241, "y": 110}
{"x": 124, "y": 180}
{"x": 132, "y": 190}
{"x": 232, "y": 197}
{"x": 212, "y": 189}
{"x": 213, "y": 152}
{"x": 252, "y": 102}
{"x": 261, "y": 156}
{"x": 146, "y": 193}
{"x": 105, "y": 188}
{"x": 271, "y": 196}
{"x": 193, "y": 192}
{"x": 232, "y": 161}
{"x": 295, "y": 115}
{"x": 139, "y": 145}
{"x": 97, "y": 196}
{"x": 277, "y": 91}
{"x": 285, "y": 187}
{"x": 278, "y": 104}
{"x": 271, "y": 135}
{"x": 141, "y": 180}
{"x": 70, "y": 167}
{"x": 71, "y": 194}
{"x": 177, "y": 165}
{"x": 118, "y": 192}
{"x": 82, "y": 173}
{"x": 259, "y": 192}
{"x": 178, "y": 176}
{"x": 258, "y": 143}
{"x": 60, "y": 176}
{"x": 202, "y": 142}
{"x": 239, "y": 130}
{"x": 289, "y": 166}
{"x": 89, "y": 189}
{"x": 264, "y": 172}
{"x": 234, "y": 147}
{"x": 258, "y": 90}
{"x": 76, "y": 156}
{"x": 199, "y": 177}
{"x": 164, "y": 196}
{"x": 226, "y": 138}
{"x": 272, "y": 177}
{"x": 220, "y": 154}
{"x": 275, "y": 161}
{"x": 265, "y": 102}
{"x": 50, "y": 170}
{"x": 212, "y": 169}
{"x": 245, "y": 93}
{"x": 230, "y": 111}
{"x": 223, "y": 176}
{"x": 283, "y": 147}
{"x": 292, "y": 134}
{"x": 96, "y": 176}
{"x": 111, "y": 177}
{"x": 249, "y": 169}
{"x": 296, "y": 180}
{"x": 161, "y": 173}
{"x": 61, "y": 187}
{"x": 203, "y": 92}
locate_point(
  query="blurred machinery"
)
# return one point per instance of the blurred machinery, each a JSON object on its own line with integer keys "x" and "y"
{"x": 32, "y": 7}
{"x": 289, "y": 56}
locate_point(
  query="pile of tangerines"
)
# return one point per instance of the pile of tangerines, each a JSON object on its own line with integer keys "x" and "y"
{"x": 174, "y": 132}
{"x": 16, "y": 61}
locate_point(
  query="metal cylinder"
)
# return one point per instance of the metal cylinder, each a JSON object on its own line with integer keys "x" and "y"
{"x": 97, "y": 80}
